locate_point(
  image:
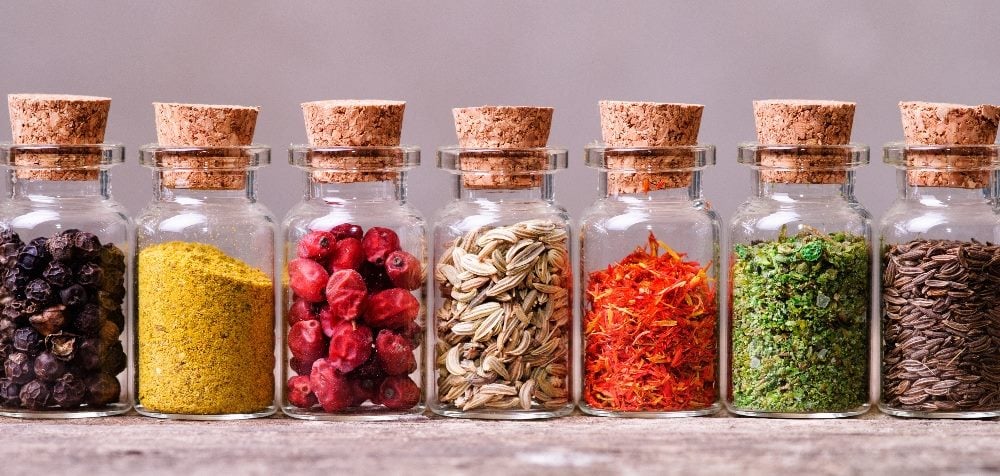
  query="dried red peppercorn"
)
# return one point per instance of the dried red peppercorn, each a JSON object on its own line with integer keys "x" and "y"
{"x": 316, "y": 245}
{"x": 307, "y": 279}
{"x": 404, "y": 270}
{"x": 650, "y": 333}
{"x": 347, "y": 230}
{"x": 399, "y": 393}
{"x": 299, "y": 392}
{"x": 347, "y": 254}
{"x": 306, "y": 341}
{"x": 392, "y": 309}
{"x": 333, "y": 391}
{"x": 346, "y": 294}
{"x": 350, "y": 346}
{"x": 394, "y": 353}
{"x": 379, "y": 243}
{"x": 301, "y": 310}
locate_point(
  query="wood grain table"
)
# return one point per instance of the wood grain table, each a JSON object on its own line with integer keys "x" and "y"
{"x": 872, "y": 444}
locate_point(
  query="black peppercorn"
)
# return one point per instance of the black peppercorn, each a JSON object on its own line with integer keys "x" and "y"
{"x": 61, "y": 245}
{"x": 112, "y": 257}
{"x": 89, "y": 274}
{"x": 33, "y": 258}
{"x": 109, "y": 332}
{"x": 117, "y": 317}
{"x": 10, "y": 392}
{"x": 89, "y": 354}
{"x": 102, "y": 389}
{"x": 38, "y": 290}
{"x": 48, "y": 367}
{"x": 35, "y": 395}
{"x": 5, "y": 350}
{"x": 15, "y": 278}
{"x": 14, "y": 310}
{"x": 86, "y": 245}
{"x": 68, "y": 391}
{"x": 27, "y": 339}
{"x": 7, "y": 328}
{"x": 9, "y": 252}
{"x": 114, "y": 359}
{"x": 89, "y": 320}
{"x": 9, "y": 236}
{"x": 62, "y": 345}
{"x": 50, "y": 320}
{"x": 74, "y": 295}
{"x": 58, "y": 274}
{"x": 19, "y": 368}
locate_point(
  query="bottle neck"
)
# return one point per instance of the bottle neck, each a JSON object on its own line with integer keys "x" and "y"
{"x": 944, "y": 196}
{"x": 692, "y": 192}
{"x": 188, "y": 195}
{"x": 804, "y": 191}
{"x": 500, "y": 193}
{"x": 59, "y": 189}
{"x": 357, "y": 192}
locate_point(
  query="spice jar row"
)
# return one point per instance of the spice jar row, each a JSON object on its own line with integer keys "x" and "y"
{"x": 374, "y": 324}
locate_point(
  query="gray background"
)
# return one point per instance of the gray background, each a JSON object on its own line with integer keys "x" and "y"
{"x": 439, "y": 54}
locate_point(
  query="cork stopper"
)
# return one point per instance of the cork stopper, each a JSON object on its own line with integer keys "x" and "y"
{"x": 354, "y": 123}
{"x": 649, "y": 124}
{"x": 803, "y": 122}
{"x": 57, "y": 119}
{"x": 928, "y": 123}
{"x": 503, "y": 127}
{"x": 204, "y": 125}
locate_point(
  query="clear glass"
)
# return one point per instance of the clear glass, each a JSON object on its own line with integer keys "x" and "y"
{"x": 939, "y": 255}
{"x": 78, "y": 346}
{"x": 680, "y": 380}
{"x": 501, "y": 342}
{"x": 352, "y": 195}
{"x": 205, "y": 287}
{"x": 799, "y": 329}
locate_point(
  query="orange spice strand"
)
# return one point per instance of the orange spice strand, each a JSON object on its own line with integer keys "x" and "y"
{"x": 650, "y": 333}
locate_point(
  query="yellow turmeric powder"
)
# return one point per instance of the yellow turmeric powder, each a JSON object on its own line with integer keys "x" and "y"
{"x": 205, "y": 332}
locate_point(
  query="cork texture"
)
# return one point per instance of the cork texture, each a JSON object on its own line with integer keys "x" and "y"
{"x": 503, "y": 127}
{"x": 354, "y": 123}
{"x": 803, "y": 122}
{"x": 928, "y": 123}
{"x": 204, "y": 125}
{"x": 57, "y": 119}
{"x": 648, "y": 124}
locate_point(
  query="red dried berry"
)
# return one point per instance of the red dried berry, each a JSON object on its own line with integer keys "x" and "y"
{"x": 332, "y": 389}
{"x": 404, "y": 270}
{"x": 348, "y": 254}
{"x": 306, "y": 341}
{"x": 327, "y": 319}
{"x": 300, "y": 367}
{"x": 346, "y": 293}
{"x": 347, "y": 230}
{"x": 350, "y": 346}
{"x": 307, "y": 279}
{"x": 299, "y": 392}
{"x": 394, "y": 353}
{"x": 414, "y": 333}
{"x": 301, "y": 310}
{"x": 391, "y": 309}
{"x": 365, "y": 390}
{"x": 399, "y": 393}
{"x": 316, "y": 245}
{"x": 379, "y": 243}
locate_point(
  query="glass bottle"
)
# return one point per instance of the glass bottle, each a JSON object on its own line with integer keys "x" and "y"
{"x": 940, "y": 267}
{"x": 65, "y": 257}
{"x": 355, "y": 225}
{"x": 799, "y": 328}
{"x": 205, "y": 286}
{"x": 649, "y": 255}
{"x": 503, "y": 288}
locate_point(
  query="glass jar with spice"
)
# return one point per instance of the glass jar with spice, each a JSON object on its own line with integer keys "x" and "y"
{"x": 502, "y": 278}
{"x": 355, "y": 254}
{"x": 649, "y": 263}
{"x": 941, "y": 266}
{"x": 65, "y": 262}
{"x": 205, "y": 290}
{"x": 799, "y": 326}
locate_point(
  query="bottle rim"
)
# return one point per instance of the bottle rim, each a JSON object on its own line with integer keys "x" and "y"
{"x": 204, "y": 158}
{"x": 942, "y": 157}
{"x": 802, "y": 157}
{"x": 681, "y": 158}
{"x": 89, "y": 156}
{"x": 385, "y": 159}
{"x": 482, "y": 160}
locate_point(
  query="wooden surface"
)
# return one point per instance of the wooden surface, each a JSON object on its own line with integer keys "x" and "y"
{"x": 576, "y": 445}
